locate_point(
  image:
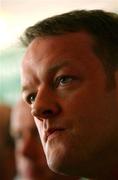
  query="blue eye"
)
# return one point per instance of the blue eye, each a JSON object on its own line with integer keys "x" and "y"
{"x": 63, "y": 80}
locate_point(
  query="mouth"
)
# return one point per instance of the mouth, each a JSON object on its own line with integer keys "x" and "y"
{"x": 52, "y": 132}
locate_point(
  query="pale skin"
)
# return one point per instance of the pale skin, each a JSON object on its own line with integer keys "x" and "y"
{"x": 76, "y": 115}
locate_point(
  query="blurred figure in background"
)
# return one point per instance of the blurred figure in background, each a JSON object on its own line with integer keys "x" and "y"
{"x": 30, "y": 160}
{"x": 7, "y": 160}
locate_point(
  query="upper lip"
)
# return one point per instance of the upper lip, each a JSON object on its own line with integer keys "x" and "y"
{"x": 51, "y": 131}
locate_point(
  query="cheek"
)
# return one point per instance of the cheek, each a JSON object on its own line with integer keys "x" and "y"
{"x": 86, "y": 101}
{"x": 78, "y": 105}
{"x": 86, "y": 111}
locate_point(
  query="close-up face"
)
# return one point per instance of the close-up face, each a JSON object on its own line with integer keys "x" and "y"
{"x": 30, "y": 159}
{"x": 64, "y": 82}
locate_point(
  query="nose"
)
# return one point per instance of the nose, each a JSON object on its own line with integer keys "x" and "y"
{"x": 45, "y": 106}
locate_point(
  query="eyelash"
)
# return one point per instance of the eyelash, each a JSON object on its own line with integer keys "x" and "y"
{"x": 57, "y": 83}
{"x": 28, "y": 98}
{"x": 60, "y": 78}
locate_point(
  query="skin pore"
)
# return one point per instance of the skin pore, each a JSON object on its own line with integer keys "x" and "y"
{"x": 64, "y": 82}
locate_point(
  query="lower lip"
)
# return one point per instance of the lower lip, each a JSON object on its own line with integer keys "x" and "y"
{"x": 55, "y": 134}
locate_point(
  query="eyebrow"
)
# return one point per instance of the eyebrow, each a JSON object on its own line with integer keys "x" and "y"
{"x": 52, "y": 69}
{"x": 27, "y": 86}
{"x": 24, "y": 88}
{"x": 58, "y": 66}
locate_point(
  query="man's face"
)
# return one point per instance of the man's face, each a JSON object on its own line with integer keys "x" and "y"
{"x": 65, "y": 83}
{"x": 30, "y": 160}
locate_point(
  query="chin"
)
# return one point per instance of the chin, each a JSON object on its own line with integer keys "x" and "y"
{"x": 56, "y": 161}
{"x": 61, "y": 168}
{"x": 61, "y": 158}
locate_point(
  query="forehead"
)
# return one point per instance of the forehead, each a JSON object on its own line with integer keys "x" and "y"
{"x": 79, "y": 41}
{"x": 52, "y": 50}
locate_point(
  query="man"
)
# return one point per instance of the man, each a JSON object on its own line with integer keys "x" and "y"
{"x": 30, "y": 160}
{"x": 7, "y": 158}
{"x": 69, "y": 78}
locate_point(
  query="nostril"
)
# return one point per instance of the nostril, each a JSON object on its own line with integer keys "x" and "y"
{"x": 44, "y": 114}
{"x": 47, "y": 113}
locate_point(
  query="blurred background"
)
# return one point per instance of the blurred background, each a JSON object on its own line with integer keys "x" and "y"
{"x": 15, "y": 16}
